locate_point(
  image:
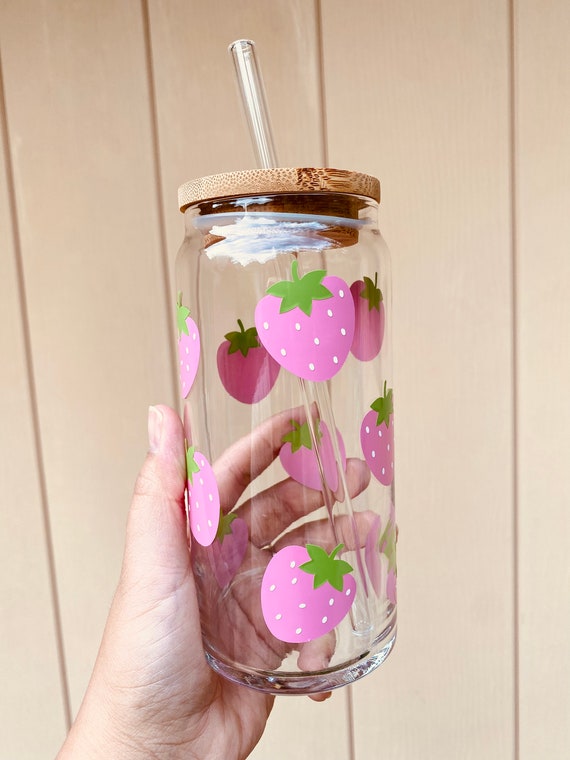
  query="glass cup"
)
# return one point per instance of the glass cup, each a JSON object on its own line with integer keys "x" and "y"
{"x": 284, "y": 345}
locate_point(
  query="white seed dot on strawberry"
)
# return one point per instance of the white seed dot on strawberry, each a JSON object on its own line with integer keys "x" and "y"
{"x": 198, "y": 528}
{"x": 197, "y": 505}
{"x": 316, "y": 341}
{"x": 297, "y": 326}
{"x": 210, "y": 497}
{"x": 187, "y": 368}
{"x": 348, "y": 592}
{"x": 329, "y": 312}
{"x": 201, "y": 481}
{"x": 367, "y": 429}
{"x": 379, "y": 434}
{"x": 194, "y": 336}
{"x": 298, "y": 631}
{"x": 292, "y": 564}
{"x": 373, "y": 454}
{"x": 278, "y": 616}
{"x": 324, "y": 620}
{"x": 302, "y": 606}
{"x": 331, "y": 602}
{"x": 335, "y": 359}
{"x": 341, "y": 293}
{"x": 388, "y": 447}
{"x": 283, "y": 352}
{"x": 311, "y": 366}
{"x": 383, "y": 470}
{"x": 209, "y": 523}
{"x": 342, "y": 331}
{"x": 266, "y": 325}
{"x": 294, "y": 581}
{"x": 272, "y": 587}
{"x": 187, "y": 350}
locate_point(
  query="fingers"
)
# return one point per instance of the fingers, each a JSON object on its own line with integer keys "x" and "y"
{"x": 317, "y": 654}
{"x": 348, "y": 530}
{"x": 251, "y": 455}
{"x": 156, "y": 530}
{"x": 271, "y": 512}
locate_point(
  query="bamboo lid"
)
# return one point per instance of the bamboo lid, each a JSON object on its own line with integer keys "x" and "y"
{"x": 255, "y": 182}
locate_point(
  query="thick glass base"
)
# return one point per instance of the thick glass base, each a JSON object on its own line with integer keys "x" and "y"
{"x": 316, "y": 682}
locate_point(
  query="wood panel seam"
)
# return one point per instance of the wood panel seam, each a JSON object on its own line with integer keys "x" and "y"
{"x": 513, "y": 186}
{"x": 33, "y": 401}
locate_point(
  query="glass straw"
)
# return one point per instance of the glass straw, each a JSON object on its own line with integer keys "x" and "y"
{"x": 253, "y": 99}
{"x": 257, "y": 114}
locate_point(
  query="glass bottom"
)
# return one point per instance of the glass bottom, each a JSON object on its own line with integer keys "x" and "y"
{"x": 316, "y": 682}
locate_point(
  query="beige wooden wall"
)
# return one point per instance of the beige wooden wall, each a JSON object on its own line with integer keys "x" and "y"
{"x": 462, "y": 108}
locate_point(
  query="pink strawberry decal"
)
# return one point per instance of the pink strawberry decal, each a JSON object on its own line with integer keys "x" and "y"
{"x": 203, "y": 497}
{"x": 372, "y": 555}
{"x": 299, "y": 458}
{"x": 229, "y": 549}
{"x": 370, "y": 318}
{"x": 188, "y": 347}
{"x": 307, "y": 324}
{"x": 306, "y": 592}
{"x": 246, "y": 370}
{"x": 391, "y": 582}
{"x": 377, "y": 437}
{"x": 377, "y": 545}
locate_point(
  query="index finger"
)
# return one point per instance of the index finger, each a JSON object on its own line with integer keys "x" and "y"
{"x": 248, "y": 457}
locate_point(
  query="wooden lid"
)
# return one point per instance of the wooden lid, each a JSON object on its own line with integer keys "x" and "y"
{"x": 254, "y": 182}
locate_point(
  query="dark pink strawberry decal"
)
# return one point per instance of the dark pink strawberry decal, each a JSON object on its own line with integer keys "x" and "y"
{"x": 307, "y": 324}
{"x": 246, "y": 370}
{"x": 370, "y": 317}
{"x": 203, "y": 497}
{"x": 299, "y": 458}
{"x": 229, "y": 549}
{"x": 306, "y": 592}
{"x": 377, "y": 438}
{"x": 188, "y": 347}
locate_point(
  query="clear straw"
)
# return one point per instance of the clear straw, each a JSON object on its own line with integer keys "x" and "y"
{"x": 255, "y": 105}
{"x": 257, "y": 115}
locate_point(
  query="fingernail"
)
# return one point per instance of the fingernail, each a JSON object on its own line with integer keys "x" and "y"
{"x": 155, "y": 420}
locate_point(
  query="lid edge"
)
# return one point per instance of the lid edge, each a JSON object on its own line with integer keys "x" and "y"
{"x": 278, "y": 180}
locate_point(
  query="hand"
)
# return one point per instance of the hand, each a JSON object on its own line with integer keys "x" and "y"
{"x": 152, "y": 693}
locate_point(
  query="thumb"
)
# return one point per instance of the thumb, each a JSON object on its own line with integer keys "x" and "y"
{"x": 156, "y": 544}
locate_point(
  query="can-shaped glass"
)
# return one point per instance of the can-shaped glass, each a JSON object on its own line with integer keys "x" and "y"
{"x": 284, "y": 349}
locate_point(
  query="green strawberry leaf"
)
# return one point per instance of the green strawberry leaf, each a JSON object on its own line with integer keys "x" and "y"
{"x": 243, "y": 340}
{"x": 387, "y": 545}
{"x": 300, "y": 292}
{"x": 326, "y": 568}
{"x": 300, "y": 436}
{"x": 182, "y": 313}
{"x": 224, "y": 526}
{"x": 372, "y": 293}
{"x": 384, "y": 406}
{"x": 191, "y": 464}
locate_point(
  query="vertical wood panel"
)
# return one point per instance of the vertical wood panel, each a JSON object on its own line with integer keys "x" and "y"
{"x": 420, "y": 97}
{"x": 77, "y": 94}
{"x": 31, "y": 693}
{"x": 543, "y": 267}
{"x": 202, "y": 131}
